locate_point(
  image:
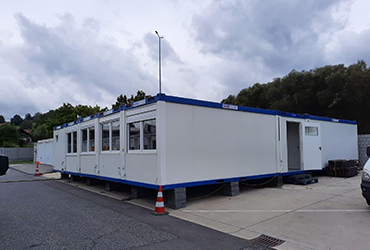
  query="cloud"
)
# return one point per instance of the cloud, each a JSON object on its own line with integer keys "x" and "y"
{"x": 349, "y": 46}
{"x": 167, "y": 52}
{"x": 69, "y": 62}
{"x": 282, "y": 35}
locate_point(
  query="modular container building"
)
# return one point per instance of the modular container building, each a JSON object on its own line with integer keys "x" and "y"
{"x": 44, "y": 151}
{"x": 178, "y": 142}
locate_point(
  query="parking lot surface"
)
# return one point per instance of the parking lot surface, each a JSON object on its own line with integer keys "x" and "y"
{"x": 330, "y": 214}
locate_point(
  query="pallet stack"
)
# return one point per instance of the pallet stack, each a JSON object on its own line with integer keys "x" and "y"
{"x": 342, "y": 168}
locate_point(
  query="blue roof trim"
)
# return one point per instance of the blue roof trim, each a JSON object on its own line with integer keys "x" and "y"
{"x": 314, "y": 117}
{"x": 99, "y": 177}
{"x": 111, "y": 111}
{"x": 182, "y": 100}
{"x": 195, "y": 102}
{"x": 327, "y": 119}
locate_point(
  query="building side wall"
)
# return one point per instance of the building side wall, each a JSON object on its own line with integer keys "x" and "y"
{"x": 205, "y": 143}
{"x": 45, "y": 151}
{"x": 339, "y": 141}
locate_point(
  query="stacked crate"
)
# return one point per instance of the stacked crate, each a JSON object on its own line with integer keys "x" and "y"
{"x": 342, "y": 168}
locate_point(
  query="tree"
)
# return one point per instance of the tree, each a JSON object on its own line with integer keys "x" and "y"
{"x": 40, "y": 132}
{"x": 44, "y": 123}
{"x": 2, "y": 119}
{"x": 334, "y": 91}
{"x": 28, "y": 116}
{"x": 26, "y": 124}
{"x": 16, "y": 120}
{"x": 120, "y": 100}
{"x": 36, "y": 116}
{"x": 9, "y": 136}
{"x": 85, "y": 111}
{"x": 140, "y": 95}
{"x": 229, "y": 99}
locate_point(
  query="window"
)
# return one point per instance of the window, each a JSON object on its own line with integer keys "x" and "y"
{"x": 69, "y": 139}
{"x": 91, "y": 139}
{"x": 115, "y": 135}
{"x": 142, "y": 135}
{"x": 134, "y": 135}
{"x": 105, "y": 137}
{"x": 311, "y": 131}
{"x": 88, "y": 139}
{"x": 74, "y": 142}
{"x": 84, "y": 140}
{"x": 111, "y": 136}
{"x": 149, "y": 134}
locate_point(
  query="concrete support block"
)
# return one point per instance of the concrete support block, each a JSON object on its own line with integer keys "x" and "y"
{"x": 138, "y": 192}
{"x": 64, "y": 176}
{"x": 231, "y": 188}
{"x": 277, "y": 182}
{"x": 90, "y": 181}
{"x": 109, "y": 186}
{"x": 176, "y": 198}
{"x": 75, "y": 178}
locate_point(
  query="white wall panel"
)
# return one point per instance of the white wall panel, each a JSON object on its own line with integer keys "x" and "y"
{"x": 217, "y": 144}
{"x": 141, "y": 167}
{"x": 59, "y": 149}
{"x": 88, "y": 162}
{"x": 110, "y": 165}
{"x": 72, "y": 163}
{"x": 339, "y": 141}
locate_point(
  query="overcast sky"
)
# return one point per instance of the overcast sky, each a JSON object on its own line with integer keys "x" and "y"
{"x": 90, "y": 52}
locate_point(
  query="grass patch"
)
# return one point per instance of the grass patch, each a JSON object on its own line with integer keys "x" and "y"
{"x": 20, "y": 162}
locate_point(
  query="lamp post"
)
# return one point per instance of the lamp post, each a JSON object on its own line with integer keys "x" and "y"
{"x": 160, "y": 83}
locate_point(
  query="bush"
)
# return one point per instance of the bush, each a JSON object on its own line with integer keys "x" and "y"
{"x": 8, "y": 144}
{"x": 9, "y": 135}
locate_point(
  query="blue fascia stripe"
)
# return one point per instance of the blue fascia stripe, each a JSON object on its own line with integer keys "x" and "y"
{"x": 327, "y": 119}
{"x": 182, "y": 100}
{"x": 314, "y": 117}
{"x": 187, "y": 184}
{"x": 99, "y": 177}
{"x": 194, "y": 102}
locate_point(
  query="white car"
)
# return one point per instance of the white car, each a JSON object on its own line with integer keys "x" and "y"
{"x": 365, "y": 183}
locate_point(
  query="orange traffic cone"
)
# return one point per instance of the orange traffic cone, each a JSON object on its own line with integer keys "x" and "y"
{"x": 37, "y": 169}
{"x": 159, "y": 205}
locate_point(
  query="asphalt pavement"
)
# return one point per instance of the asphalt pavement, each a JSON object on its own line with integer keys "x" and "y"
{"x": 40, "y": 213}
{"x": 330, "y": 214}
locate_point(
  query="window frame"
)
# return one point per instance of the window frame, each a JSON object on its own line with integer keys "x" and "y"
{"x": 110, "y": 136}
{"x": 311, "y": 131}
{"x": 73, "y": 136}
{"x": 88, "y": 143}
{"x": 141, "y": 138}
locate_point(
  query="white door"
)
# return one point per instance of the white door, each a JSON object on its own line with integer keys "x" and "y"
{"x": 311, "y": 146}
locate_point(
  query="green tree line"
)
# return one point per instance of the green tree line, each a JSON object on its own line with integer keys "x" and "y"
{"x": 333, "y": 91}
{"x": 42, "y": 124}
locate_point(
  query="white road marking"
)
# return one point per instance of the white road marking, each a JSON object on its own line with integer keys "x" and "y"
{"x": 277, "y": 211}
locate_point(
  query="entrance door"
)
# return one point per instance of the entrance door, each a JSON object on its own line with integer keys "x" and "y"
{"x": 294, "y": 150}
{"x": 311, "y": 151}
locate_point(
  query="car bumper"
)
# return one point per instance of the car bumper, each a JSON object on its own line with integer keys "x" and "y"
{"x": 365, "y": 187}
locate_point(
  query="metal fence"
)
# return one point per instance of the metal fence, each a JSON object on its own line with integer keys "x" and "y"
{"x": 18, "y": 154}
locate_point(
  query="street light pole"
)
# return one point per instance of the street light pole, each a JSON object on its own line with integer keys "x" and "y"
{"x": 160, "y": 69}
